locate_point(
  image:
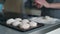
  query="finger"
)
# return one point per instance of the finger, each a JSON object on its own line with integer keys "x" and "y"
{"x": 38, "y": 2}
{"x": 39, "y": 6}
{"x": 35, "y": 3}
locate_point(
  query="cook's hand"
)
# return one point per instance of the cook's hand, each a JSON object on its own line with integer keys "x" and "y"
{"x": 38, "y": 5}
{"x": 42, "y": 2}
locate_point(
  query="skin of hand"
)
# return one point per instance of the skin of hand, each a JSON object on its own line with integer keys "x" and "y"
{"x": 48, "y": 5}
{"x": 38, "y": 5}
{"x": 43, "y": 3}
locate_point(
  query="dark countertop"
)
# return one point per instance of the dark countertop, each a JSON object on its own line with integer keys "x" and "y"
{"x": 41, "y": 30}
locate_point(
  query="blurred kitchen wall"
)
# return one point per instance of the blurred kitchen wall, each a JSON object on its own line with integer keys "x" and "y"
{"x": 1, "y": 5}
{"x": 13, "y": 6}
{"x": 1, "y": 9}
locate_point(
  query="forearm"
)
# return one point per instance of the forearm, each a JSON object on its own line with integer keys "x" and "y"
{"x": 48, "y": 5}
{"x": 53, "y": 5}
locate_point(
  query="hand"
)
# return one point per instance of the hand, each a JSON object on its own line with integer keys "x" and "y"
{"x": 38, "y": 5}
{"x": 42, "y": 2}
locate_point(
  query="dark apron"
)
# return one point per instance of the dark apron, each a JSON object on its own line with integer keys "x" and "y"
{"x": 52, "y": 12}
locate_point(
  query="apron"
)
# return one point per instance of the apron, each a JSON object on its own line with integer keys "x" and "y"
{"x": 52, "y": 12}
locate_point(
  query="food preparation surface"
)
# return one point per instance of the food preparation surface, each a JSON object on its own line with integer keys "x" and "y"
{"x": 19, "y": 29}
{"x": 42, "y": 30}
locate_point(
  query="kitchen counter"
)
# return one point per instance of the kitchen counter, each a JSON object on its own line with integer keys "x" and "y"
{"x": 41, "y": 30}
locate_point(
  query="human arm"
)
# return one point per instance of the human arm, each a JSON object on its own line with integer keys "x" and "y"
{"x": 48, "y": 5}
